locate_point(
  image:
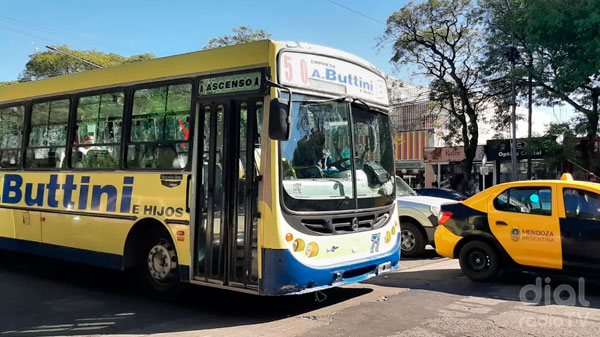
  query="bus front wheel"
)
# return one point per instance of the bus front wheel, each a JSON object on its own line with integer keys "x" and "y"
{"x": 157, "y": 263}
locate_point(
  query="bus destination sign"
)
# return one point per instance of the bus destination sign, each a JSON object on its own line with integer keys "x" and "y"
{"x": 230, "y": 84}
{"x": 332, "y": 75}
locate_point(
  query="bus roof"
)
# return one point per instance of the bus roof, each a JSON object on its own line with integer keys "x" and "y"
{"x": 164, "y": 68}
{"x": 178, "y": 66}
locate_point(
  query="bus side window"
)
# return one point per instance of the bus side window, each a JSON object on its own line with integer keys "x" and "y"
{"x": 11, "y": 134}
{"x": 160, "y": 127}
{"x": 48, "y": 135}
{"x": 97, "y": 142}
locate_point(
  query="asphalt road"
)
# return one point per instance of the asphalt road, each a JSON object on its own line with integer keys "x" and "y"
{"x": 426, "y": 297}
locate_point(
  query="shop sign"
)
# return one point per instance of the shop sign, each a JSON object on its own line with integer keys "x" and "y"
{"x": 451, "y": 154}
{"x": 499, "y": 149}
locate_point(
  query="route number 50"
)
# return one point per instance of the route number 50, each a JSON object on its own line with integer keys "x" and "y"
{"x": 289, "y": 70}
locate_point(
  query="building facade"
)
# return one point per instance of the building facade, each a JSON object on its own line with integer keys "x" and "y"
{"x": 414, "y": 123}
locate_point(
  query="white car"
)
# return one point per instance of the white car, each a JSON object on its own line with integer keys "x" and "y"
{"x": 418, "y": 218}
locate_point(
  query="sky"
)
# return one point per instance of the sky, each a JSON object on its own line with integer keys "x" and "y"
{"x": 173, "y": 27}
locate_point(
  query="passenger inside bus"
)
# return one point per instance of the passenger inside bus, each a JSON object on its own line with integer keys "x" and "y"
{"x": 311, "y": 156}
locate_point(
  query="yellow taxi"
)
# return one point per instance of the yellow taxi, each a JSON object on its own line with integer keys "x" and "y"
{"x": 551, "y": 224}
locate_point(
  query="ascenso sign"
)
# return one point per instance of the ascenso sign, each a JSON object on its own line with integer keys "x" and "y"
{"x": 230, "y": 84}
{"x": 331, "y": 75}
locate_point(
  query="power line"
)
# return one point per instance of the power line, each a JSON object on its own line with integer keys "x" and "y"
{"x": 43, "y": 29}
{"x": 357, "y": 12}
{"x": 74, "y": 56}
{"x": 29, "y": 34}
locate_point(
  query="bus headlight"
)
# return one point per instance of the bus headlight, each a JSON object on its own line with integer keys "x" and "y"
{"x": 312, "y": 249}
{"x": 298, "y": 245}
{"x": 394, "y": 230}
{"x": 388, "y": 237}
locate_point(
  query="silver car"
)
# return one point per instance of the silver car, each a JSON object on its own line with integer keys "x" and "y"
{"x": 418, "y": 218}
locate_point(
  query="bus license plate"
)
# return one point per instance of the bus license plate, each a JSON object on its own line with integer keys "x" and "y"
{"x": 382, "y": 268}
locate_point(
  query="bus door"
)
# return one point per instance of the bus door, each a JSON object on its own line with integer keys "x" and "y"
{"x": 226, "y": 173}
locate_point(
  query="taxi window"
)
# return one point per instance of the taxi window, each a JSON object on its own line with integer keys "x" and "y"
{"x": 527, "y": 200}
{"x": 581, "y": 204}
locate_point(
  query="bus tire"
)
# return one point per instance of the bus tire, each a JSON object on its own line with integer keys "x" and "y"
{"x": 157, "y": 263}
{"x": 412, "y": 239}
{"x": 479, "y": 261}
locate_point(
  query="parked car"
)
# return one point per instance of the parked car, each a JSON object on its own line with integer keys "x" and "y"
{"x": 418, "y": 218}
{"x": 551, "y": 224}
{"x": 441, "y": 193}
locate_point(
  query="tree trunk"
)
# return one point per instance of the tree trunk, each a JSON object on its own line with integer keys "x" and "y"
{"x": 470, "y": 149}
{"x": 592, "y": 133}
{"x": 530, "y": 113}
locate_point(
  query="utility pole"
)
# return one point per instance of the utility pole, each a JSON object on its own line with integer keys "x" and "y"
{"x": 512, "y": 57}
{"x": 75, "y": 57}
{"x": 530, "y": 112}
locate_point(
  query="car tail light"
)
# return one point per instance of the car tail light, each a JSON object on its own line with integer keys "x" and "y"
{"x": 444, "y": 217}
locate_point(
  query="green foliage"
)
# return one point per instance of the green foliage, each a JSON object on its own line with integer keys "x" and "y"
{"x": 3, "y": 84}
{"x": 49, "y": 64}
{"x": 558, "y": 144}
{"x": 241, "y": 34}
{"x": 559, "y": 43}
{"x": 569, "y": 32}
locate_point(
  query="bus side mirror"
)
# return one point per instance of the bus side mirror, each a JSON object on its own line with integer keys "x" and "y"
{"x": 280, "y": 119}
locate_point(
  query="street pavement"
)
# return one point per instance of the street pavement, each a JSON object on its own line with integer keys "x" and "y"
{"x": 426, "y": 297}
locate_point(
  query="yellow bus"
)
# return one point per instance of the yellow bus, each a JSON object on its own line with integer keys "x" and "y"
{"x": 265, "y": 167}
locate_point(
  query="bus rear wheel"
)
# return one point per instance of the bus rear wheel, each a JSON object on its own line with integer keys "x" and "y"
{"x": 157, "y": 263}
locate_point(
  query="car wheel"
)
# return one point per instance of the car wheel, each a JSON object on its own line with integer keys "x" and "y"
{"x": 157, "y": 264}
{"x": 479, "y": 261}
{"x": 412, "y": 241}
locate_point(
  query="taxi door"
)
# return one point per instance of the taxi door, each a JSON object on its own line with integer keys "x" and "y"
{"x": 524, "y": 219}
{"x": 580, "y": 227}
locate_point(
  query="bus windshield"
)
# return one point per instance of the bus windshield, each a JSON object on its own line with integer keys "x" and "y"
{"x": 325, "y": 169}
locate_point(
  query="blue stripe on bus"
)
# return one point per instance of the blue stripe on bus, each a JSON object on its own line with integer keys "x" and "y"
{"x": 105, "y": 260}
{"x": 286, "y": 275}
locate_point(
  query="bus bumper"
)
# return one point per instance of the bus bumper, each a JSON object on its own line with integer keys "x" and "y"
{"x": 285, "y": 275}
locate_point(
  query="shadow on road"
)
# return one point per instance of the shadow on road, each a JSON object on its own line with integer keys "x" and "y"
{"x": 508, "y": 287}
{"x": 46, "y": 297}
{"x": 428, "y": 254}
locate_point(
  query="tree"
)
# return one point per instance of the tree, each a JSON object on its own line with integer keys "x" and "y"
{"x": 242, "y": 34}
{"x": 3, "y": 84}
{"x": 49, "y": 64}
{"x": 566, "y": 35}
{"x": 443, "y": 38}
{"x": 558, "y": 144}
{"x": 560, "y": 41}
{"x": 509, "y": 55}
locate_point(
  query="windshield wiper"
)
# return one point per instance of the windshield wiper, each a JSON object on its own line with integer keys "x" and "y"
{"x": 336, "y": 99}
{"x": 318, "y": 101}
{"x": 354, "y": 100}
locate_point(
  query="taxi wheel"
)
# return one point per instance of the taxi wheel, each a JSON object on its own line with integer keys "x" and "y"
{"x": 479, "y": 261}
{"x": 412, "y": 241}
